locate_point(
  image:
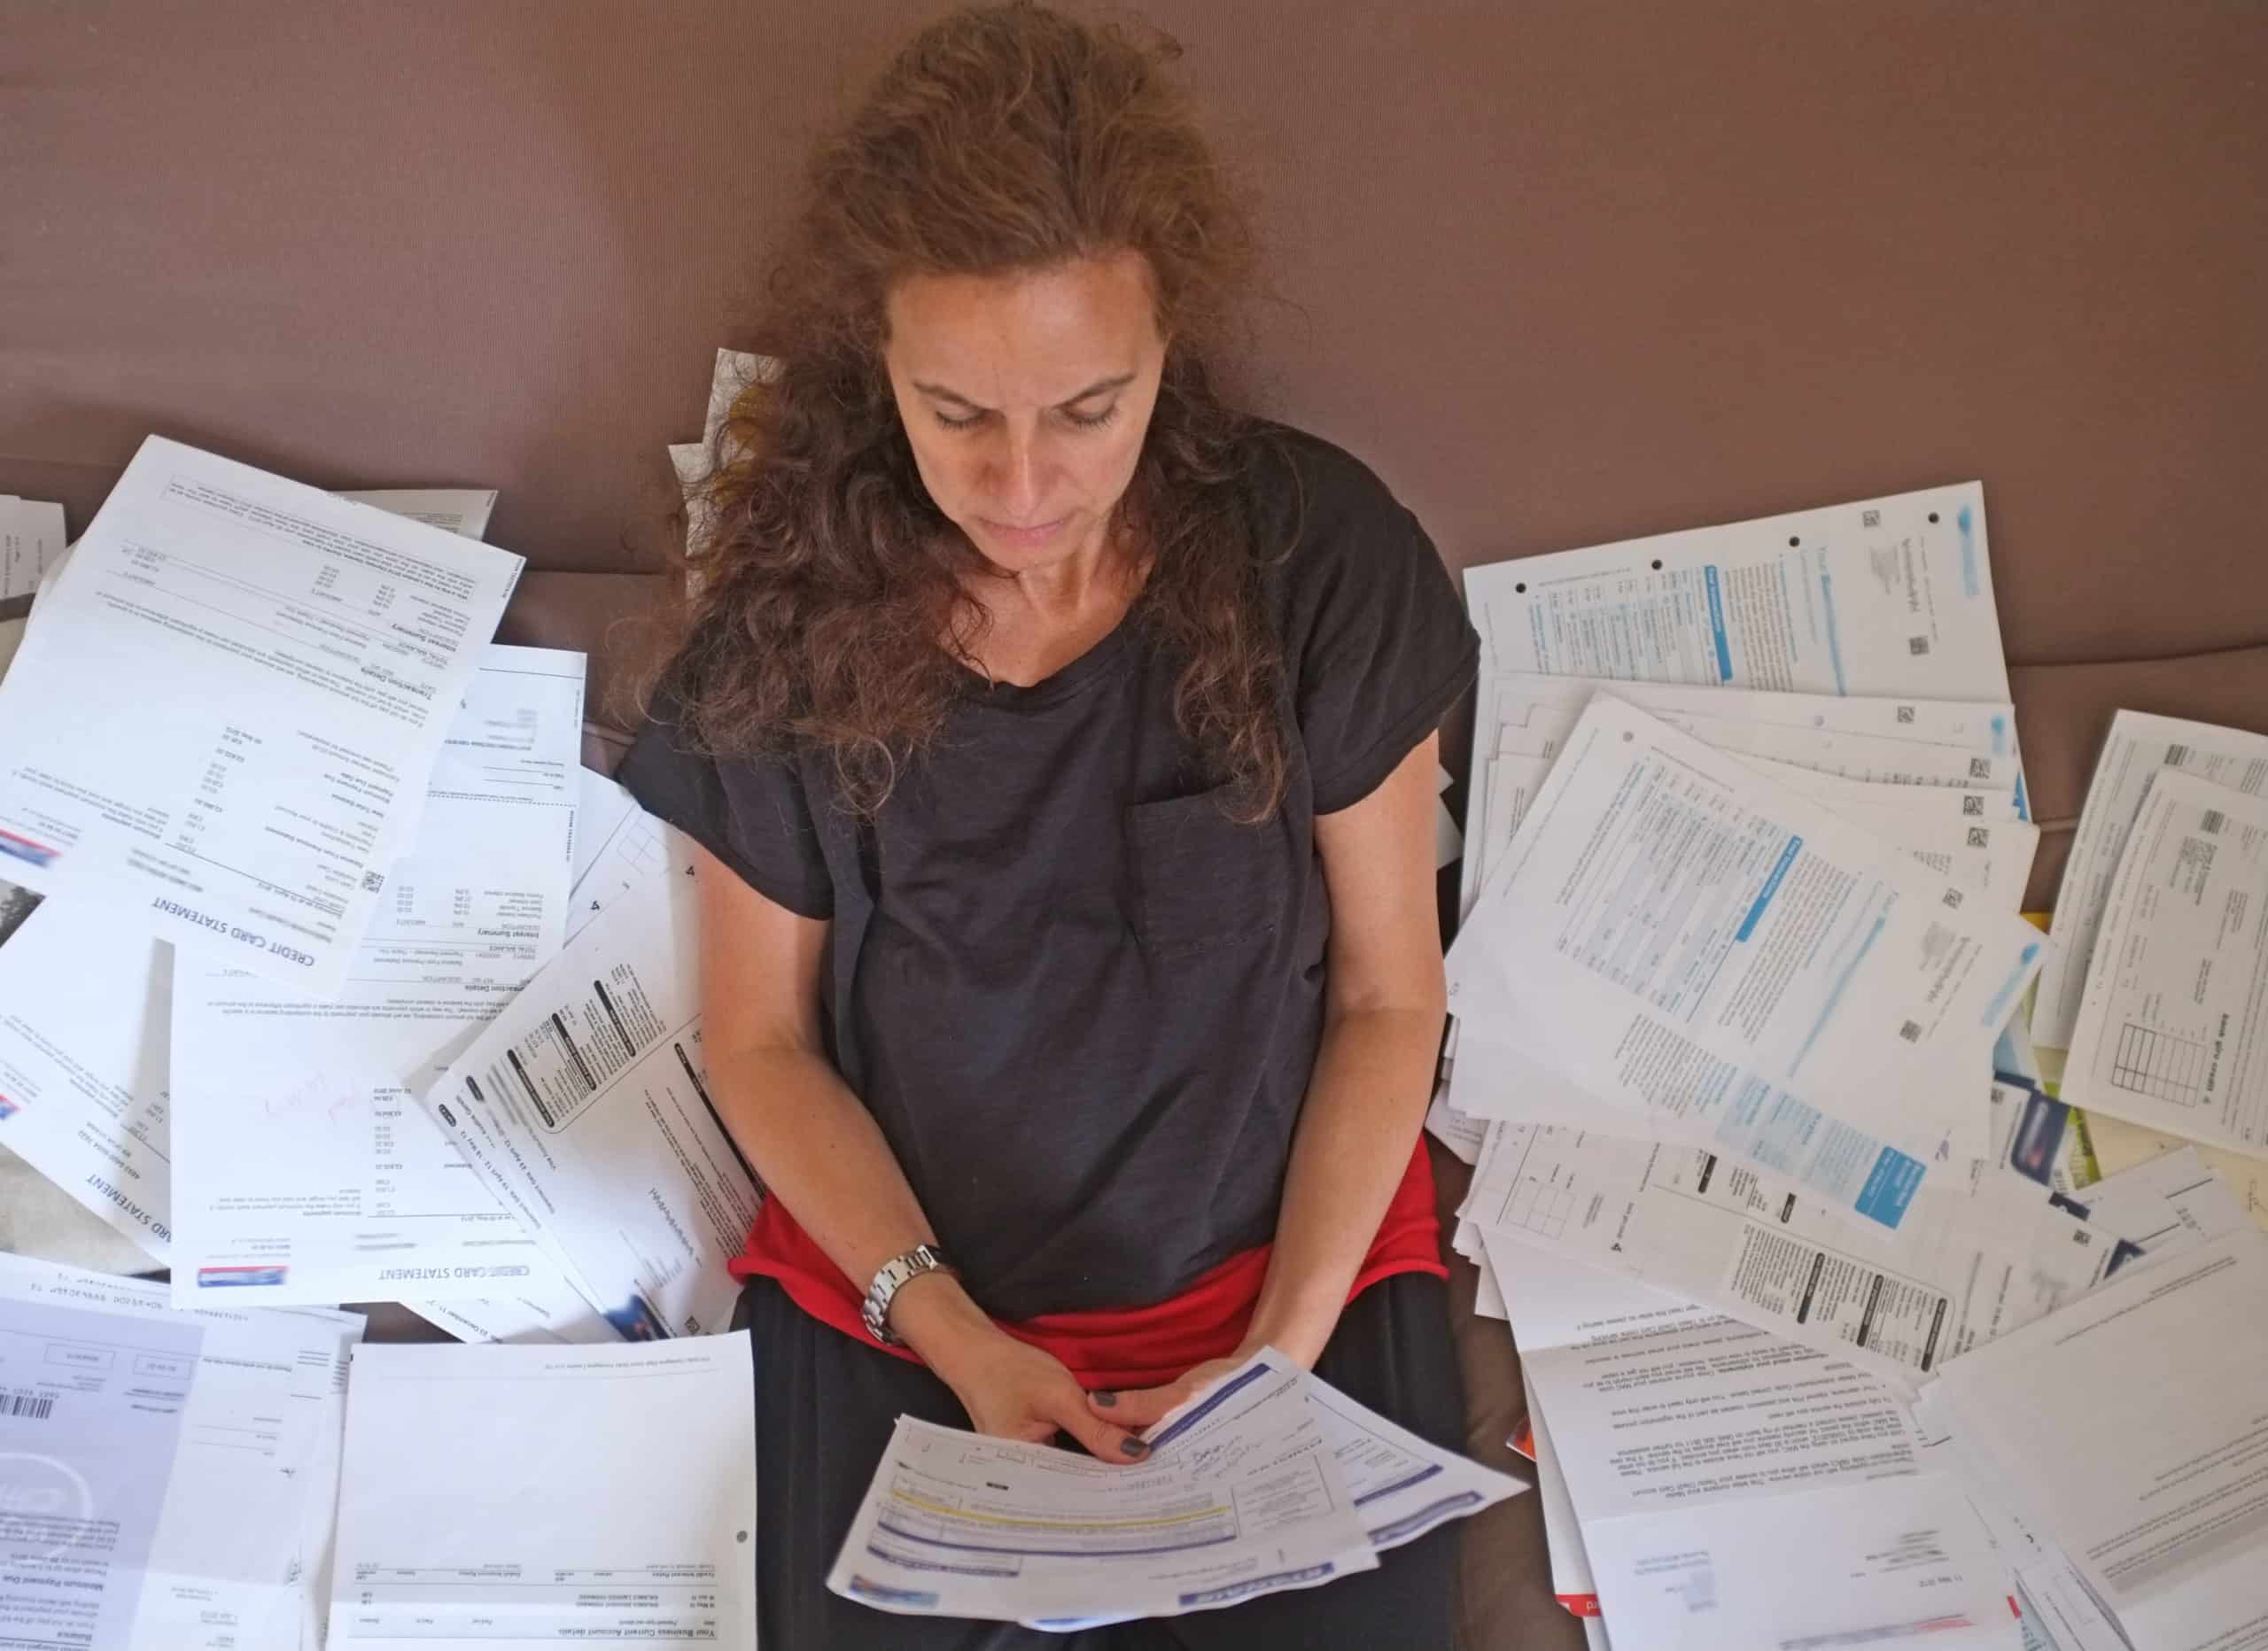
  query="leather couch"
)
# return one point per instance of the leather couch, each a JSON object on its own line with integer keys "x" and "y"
{"x": 1564, "y": 272}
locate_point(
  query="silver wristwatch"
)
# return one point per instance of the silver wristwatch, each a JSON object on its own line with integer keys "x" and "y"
{"x": 894, "y": 1276}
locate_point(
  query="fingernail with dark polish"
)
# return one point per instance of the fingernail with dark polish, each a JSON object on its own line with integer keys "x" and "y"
{"x": 1133, "y": 1446}
{"x": 1104, "y": 1400}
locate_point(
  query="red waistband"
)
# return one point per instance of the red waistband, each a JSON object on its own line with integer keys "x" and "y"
{"x": 1113, "y": 1347}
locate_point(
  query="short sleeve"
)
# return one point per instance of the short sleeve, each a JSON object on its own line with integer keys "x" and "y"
{"x": 752, "y": 813}
{"x": 1379, "y": 644}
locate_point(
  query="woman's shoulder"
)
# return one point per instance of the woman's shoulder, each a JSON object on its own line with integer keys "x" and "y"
{"x": 1319, "y": 497}
{"x": 1331, "y": 530}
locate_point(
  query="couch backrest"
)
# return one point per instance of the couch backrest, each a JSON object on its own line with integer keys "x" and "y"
{"x": 1565, "y": 271}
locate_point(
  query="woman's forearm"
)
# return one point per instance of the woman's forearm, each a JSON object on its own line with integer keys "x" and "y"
{"x": 821, "y": 1153}
{"x": 1365, "y": 1103}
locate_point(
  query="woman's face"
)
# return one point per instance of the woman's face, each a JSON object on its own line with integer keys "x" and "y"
{"x": 1025, "y": 398}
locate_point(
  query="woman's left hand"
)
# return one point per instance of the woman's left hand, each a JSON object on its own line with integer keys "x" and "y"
{"x": 1139, "y": 1408}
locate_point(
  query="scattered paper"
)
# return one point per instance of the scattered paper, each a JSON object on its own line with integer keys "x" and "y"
{"x": 225, "y": 719}
{"x": 2139, "y": 747}
{"x": 460, "y": 510}
{"x": 584, "y": 1107}
{"x": 1890, "y": 597}
{"x": 2174, "y": 1031}
{"x": 2129, "y": 1426}
{"x": 354, "y": 1195}
{"x": 591, "y": 1495}
{"x": 159, "y": 1471}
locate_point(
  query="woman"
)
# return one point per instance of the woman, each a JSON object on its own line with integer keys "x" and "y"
{"x": 1065, "y": 746}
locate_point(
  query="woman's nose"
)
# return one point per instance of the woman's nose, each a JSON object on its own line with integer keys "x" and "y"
{"x": 1016, "y": 480}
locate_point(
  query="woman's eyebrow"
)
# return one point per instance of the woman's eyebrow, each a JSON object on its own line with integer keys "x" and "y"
{"x": 941, "y": 393}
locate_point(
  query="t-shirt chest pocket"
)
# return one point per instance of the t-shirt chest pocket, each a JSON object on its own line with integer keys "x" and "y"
{"x": 1201, "y": 881}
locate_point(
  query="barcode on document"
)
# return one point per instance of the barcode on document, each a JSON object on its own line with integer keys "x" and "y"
{"x": 2176, "y": 756}
{"x": 2211, "y": 824}
{"x": 1917, "y": 645}
{"x": 1911, "y": 1031}
{"x": 29, "y": 1406}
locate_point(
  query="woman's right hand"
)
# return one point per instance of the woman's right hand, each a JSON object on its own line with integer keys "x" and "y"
{"x": 1011, "y": 1389}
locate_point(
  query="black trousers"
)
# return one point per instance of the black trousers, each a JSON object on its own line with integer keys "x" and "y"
{"x": 826, "y": 1404}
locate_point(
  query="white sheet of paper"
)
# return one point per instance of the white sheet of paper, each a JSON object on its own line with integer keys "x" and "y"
{"x": 556, "y": 1316}
{"x": 1906, "y": 1562}
{"x": 1984, "y": 726}
{"x": 1401, "y": 1486}
{"x": 1966, "y": 1269}
{"x": 2159, "y": 1375}
{"x": 2060, "y": 1613}
{"x": 83, "y": 1087}
{"x": 460, "y": 510}
{"x": 591, "y": 1495}
{"x": 734, "y": 371}
{"x": 1240, "y": 1496}
{"x": 1872, "y": 759}
{"x": 1573, "y": 1583}
{"x": 2138, "y": 747}
{"x": 625, "y": 849}
{"x": 31, "y": 542}
{"x": 1888, "y": 597}
{"x": 355, "y": 1194}
{"x": 582, "y": 1106}
{"x": 1693, "y": 1445}
{"x": 159, "y": 1470}
{"x": 2173, "y": 1032}
{"x": 2120, "y": 1145}
{"x": 226, "y": 719}
{"x": 1675, "y": 934}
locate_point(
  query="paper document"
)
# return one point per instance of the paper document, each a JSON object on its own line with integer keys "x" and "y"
{"x": 31, "y": 542}
{"x": 2160, "y": 1373}
{"x": 1240, "y": 1496}
{"x": 2118, "y": 1145}
{"x": 460, "y": 510}
{"x": 2173, "y": 1032}
{"x": 85, "y": 1007}
{"x": 158, "y": 1469}
{"x": 2139, "y": 747}
{"x": 590, "y": 1495}
{"x": 1572, "y": 1585}
{"x": 734, "y": 371}
{"x": 584, "y": 1107}
{"x": 1985, "y": 726}
{"x": 1675, "y": 933}
{"x": 1964, "y": 1271}
{"x": 1401, "y": 1486}
{"x": 355, "y": 1194}
{"x": 558, "y": 1315}
{"x": 1698, "y": 1450}
{"x": 226, "y": 716}
{"x": 1889, "y": 597}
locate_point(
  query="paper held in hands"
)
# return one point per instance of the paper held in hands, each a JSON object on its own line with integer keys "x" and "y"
{"x": 1269, "y": 1480}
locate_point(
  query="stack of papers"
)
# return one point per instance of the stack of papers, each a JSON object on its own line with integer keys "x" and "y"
{"x": 1767, "y": 1170}
{"x": 264, "y": 774}
{"x": 166, "y": 1477}
{"x": 1269, "y": 1480}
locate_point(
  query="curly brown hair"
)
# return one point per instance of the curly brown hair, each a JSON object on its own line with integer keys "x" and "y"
{"x": 822, "y": 609}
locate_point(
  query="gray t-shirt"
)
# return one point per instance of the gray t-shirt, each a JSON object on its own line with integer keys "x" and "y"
{"x": 1081, "y": 1002}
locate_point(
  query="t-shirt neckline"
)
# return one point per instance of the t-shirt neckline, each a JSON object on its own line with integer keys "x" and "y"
{"x": 1086, "y": 669}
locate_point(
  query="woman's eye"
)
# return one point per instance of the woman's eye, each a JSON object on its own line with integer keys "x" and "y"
{"x": 969, "y": 422}
{"x": 1093, "y": 420}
